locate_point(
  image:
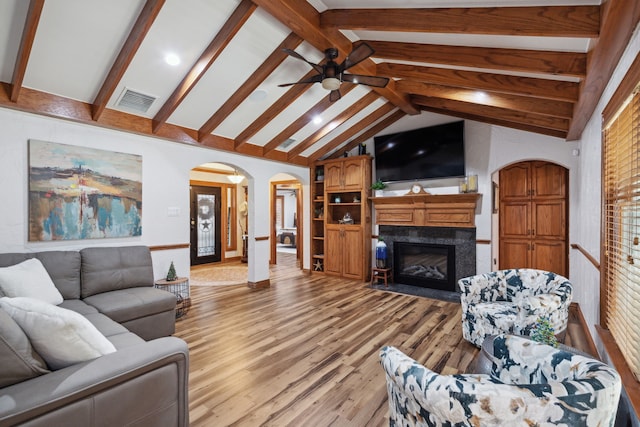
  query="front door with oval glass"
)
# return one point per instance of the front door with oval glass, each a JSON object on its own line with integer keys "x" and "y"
{"x": 205, "y": 225}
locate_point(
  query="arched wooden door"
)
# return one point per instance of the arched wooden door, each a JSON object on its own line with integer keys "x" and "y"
{"x": 533, "y": 217}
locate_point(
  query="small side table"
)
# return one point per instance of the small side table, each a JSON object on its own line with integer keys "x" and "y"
{"x": 180, "y": 288}
{"x": 378, "y": 274}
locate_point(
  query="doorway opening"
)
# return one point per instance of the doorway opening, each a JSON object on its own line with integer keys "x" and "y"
{"x": 286, "y": 232}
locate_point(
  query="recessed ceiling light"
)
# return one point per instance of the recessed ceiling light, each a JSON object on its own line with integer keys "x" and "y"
{"x": 317, "y": 120}
{"x": 172, "y": 59}
{"x": 481, "y": 96}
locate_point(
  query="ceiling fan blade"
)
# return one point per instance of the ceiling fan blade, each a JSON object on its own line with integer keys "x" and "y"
{"x": 357, "y": 55}
{"x": 296, "y": 55}
{"x": 334, "y": 95}
{"x": 313, "y": 79}
{"x": 366, "y": 80}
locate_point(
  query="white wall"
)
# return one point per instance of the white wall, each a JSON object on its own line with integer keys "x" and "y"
{"x": 166, "y": 167}
{"x": 587, "y": 199}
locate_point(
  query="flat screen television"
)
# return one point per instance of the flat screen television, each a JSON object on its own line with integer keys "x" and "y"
{"x": 421, "y": 154}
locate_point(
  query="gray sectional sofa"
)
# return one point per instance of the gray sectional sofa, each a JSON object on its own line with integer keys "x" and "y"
{"x": 143, "y": 383}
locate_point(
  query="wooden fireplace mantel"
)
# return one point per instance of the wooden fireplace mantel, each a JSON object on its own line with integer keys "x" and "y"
{"x": 427, "y": 210}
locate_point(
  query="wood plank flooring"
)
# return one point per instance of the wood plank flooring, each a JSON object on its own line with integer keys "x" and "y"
{"x": 305, "y": 351}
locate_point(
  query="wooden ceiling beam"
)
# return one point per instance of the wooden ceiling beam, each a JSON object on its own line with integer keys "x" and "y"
{"x": 545, "y": 107}
{"x": 549, "y": 21}
{"x": 139, "y": 31}
{"x": 371, "y": 132}
{"x": 536, "y": 120}
{"x": 498, "y": 122}
{"x": 49, "y": 105}
{"x": 208, "y": 57}
{"x": 353, "y": 130}
{"x": 303, "y": 19}
{"x": 316, "y": 136}
{"x": 26, "y": 43}
{"x": 620, "y": 19}
{"x": 568, "y": 64}
{"x": 304, "y": 119}
{"x": 525, "y": 86}
{"x": 262, "y": 72}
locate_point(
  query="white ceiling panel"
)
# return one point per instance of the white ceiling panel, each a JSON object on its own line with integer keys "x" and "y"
{"x": 76, "y": 44}
{"x": 186, "y": 31}
{"x": 12, "y": 16}
{"x": 259, "y": 36}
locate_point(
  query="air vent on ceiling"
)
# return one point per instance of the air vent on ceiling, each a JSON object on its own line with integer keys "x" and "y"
{"x": 137, "y": 101}
{"x": 287, "y": 143}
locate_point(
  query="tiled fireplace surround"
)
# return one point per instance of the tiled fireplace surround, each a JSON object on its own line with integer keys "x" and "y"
{"x": 464, "y": 240}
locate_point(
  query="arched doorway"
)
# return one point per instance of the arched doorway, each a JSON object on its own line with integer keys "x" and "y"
{"x": 533, "y": 216}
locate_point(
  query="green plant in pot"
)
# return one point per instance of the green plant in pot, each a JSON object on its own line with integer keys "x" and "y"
{"x": 543, "y": 332}
{"x": 378, "y": 186}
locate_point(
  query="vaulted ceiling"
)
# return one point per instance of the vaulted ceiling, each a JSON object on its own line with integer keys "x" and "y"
{"x": 539, "y": 66}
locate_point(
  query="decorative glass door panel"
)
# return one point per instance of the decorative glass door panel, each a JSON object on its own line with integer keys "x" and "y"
{"x": 205, "y": 224}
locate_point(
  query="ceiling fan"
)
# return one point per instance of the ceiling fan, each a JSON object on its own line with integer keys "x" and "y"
{"x": 331, "y": 74}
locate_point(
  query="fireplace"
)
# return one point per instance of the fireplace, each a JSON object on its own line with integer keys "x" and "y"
{"x": 456, "y": 244}
{"x": 426, "y": 265}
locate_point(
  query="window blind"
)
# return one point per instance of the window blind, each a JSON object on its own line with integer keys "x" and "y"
{"x": 621, "y": 210}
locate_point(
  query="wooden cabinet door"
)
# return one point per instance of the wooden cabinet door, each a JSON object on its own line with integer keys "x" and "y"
{"x": 515, "y": 220}
{"x": 533, "y": 217}
{"x": 548, "y": 180}
{"x": 549, "y": 255}
{"x": 333, "y": 254}
{"x": 549, "y": 219}
{"x": 352, "y": 175}
{"x": 515, "y": 182}
{"x": 333, "y": 176}
{"x": 515, "y": 254}
{"x": 352, "y": 262}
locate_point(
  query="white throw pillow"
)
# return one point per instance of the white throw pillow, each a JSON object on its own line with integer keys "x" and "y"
{"x": 62, "y": 337}
{"x": 29, "y": 279}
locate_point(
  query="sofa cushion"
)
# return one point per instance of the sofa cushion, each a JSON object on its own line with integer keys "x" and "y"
{"x": 29, "y": 279}
{"x": 114, "y": 268}
{"x": 78, "y": 306}
{"x": 62, "y": 337}
{"x": 63, "y": 268}
{"x": 18, "y": 359}
{"x": 133, "y": 303}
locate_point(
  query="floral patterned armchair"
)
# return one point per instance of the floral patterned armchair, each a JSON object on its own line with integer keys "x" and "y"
{"x": 512, "y": 301}
{"x": 529, "y": 384}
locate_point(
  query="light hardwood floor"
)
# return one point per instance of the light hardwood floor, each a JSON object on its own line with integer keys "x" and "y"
{"x": 304, "y": 352}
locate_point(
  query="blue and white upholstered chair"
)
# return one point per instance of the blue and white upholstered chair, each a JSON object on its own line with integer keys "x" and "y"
{"x": 530, "y": 384}
{"x": 512, "y": 301}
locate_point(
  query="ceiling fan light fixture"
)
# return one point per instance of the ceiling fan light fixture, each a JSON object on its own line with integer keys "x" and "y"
{"x": 235, "y": 178}
{"x": 331, "y": 83}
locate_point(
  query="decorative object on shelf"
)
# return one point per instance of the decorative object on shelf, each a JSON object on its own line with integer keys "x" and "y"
{"x": 417, "y": 189}
{"x": 320, "y": 174}
{"x": 462, "y": 185}
{"x": 171, "y": 274}
{"x": 356, "y": 199}
{"x": 469, "y": 184}
{"x": 543, "y": 332}
{"x": 318, "y": 265}
{"x": 362, "y": 149}
{"x": 381, "y": 253}
{"x": 472, "y": 183}
{"x": 337, "y": 199}
{"x": 346, "y": 219}
{"x": 319, "y": 212}
{"x": 378, "y": 188}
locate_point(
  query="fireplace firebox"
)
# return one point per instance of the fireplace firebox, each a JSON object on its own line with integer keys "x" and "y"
{"x": 425, "y": 265}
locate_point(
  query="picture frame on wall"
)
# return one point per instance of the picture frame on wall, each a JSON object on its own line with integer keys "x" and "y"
{"x": 78, "y": 193}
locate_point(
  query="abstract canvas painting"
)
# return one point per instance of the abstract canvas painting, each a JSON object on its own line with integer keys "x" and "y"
{"x": 83, "y": 193}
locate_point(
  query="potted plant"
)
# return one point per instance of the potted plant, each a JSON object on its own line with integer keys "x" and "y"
{"x": 378, "y": 188}
{"x": 543, "y": 332}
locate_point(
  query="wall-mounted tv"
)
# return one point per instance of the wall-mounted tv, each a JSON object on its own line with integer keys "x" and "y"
{"x": 421, "y": 154}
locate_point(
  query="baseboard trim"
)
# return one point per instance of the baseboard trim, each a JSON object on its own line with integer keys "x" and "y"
{"x": 262, "y": 284}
